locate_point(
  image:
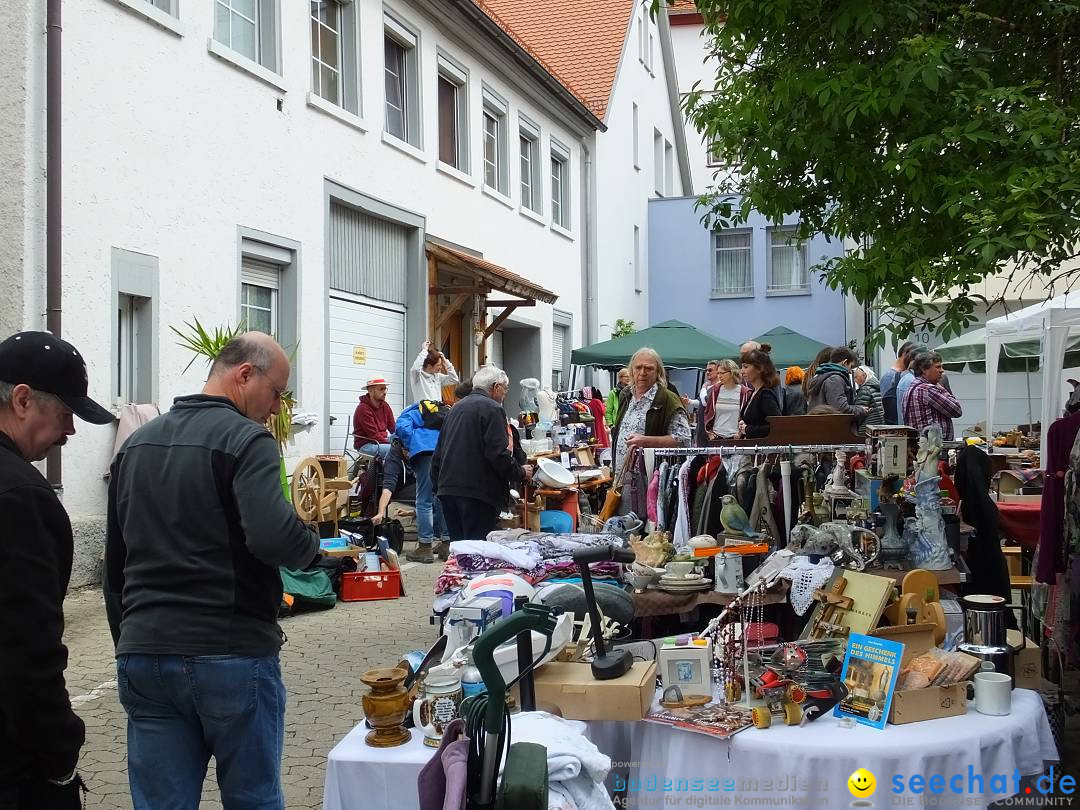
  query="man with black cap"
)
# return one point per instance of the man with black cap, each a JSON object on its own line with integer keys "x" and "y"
{"x": 43, "y": 384}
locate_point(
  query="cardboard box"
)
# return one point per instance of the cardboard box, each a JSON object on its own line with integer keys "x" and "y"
{"x": 914, "y": 705}
{"x": 573, "y": 689}
{"x": 1027, "y": 662}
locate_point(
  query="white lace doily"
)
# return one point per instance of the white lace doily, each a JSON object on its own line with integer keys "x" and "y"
{"x": 805, "y": 579}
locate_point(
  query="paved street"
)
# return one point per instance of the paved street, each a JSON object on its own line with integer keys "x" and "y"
{"x": 322, "y": 662}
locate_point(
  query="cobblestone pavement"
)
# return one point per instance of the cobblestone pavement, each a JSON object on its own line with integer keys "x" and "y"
{"x": 322, "y": 662}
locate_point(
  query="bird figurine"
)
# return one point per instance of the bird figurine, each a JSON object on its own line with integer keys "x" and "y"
{"x": 734, "y": 520}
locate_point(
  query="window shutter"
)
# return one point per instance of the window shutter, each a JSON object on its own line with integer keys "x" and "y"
{"x": 558, "y": 348}
{"x": 261, "y": 274}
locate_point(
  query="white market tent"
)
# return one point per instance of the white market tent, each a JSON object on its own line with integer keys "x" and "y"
{"x": 1053, "y": 322}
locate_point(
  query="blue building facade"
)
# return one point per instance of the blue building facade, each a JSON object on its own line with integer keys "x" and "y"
{"x": 740, "y": 282}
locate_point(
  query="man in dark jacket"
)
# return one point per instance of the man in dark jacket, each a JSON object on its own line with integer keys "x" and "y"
{"x": 42, "y": 383}
{"x": 474, "y": 460}
{"x": 197, "y": 528}
{"x": 832, "y": 384}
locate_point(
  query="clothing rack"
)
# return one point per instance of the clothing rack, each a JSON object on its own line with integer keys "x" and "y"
{"x": 763, "y": 449}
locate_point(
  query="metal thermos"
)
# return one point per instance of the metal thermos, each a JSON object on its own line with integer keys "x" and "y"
{"x": 984, "y": 631}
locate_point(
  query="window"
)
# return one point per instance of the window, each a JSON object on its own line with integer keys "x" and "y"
{"x": 560, "y": 185}
{"x": 641, "y": 37}
{"x": 134, "y": 327}
{"x": 401, "y": 68}
{"x": 787, "y": 264}
{"x": 250, "y": 28}
{"x": 560, "y": 349}
{"x": 453, "y": 114}
{"x": 637, "y": 139}
{"x": 531, "y": 186}
{"x": 712, "y": 156}
{"x": 649, "y": 56}
{"x": 638, "y": 285}
{"x": 326, "y": 60}
{"x": 732, "y": 266}
{"x": 658, "y": 163}
{"x": 496, "y": 175}
{"x": 259, "y": 285}
{"x": 669, "y": 169}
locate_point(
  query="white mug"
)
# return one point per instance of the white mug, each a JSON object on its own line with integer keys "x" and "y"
{"x": 993, "y": 693}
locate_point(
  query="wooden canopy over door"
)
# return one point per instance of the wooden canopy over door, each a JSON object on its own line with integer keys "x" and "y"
{"x": 460, "y": 286}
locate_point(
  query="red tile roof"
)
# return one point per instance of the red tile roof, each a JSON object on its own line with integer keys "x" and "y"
{"x": 579, "y": 42}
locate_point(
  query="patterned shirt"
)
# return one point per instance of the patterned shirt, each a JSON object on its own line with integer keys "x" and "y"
{"x": 633, "y": 421}
{"x": 928, "y": 404}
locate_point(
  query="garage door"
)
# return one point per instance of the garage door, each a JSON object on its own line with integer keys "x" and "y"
{"x": 366, "y": 340}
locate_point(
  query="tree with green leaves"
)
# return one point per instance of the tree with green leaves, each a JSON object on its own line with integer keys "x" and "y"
{"x": 622, "y": 328}
{"x": 939, "y": 136}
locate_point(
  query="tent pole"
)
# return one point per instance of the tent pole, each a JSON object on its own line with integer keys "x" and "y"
{"x": 1027, "y": 379}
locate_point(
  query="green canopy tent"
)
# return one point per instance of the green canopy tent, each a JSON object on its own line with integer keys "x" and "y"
{"x": 789, "y": 348}
{"x": 678, "y": 344}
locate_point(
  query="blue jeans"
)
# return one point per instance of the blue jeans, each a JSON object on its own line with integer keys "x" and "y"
{"x": 373, "y": 449}
{"x": 184, "y": 709}
{"x": 429, "y": 514}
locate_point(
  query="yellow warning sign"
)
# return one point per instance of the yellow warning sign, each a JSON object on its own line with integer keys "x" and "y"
{"x": 359, "y": 355}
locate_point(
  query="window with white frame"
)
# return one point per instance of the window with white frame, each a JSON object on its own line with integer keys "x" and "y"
{"x": 134, "y": 327}
{"x": 250, "y": 28}
{"x": 733, "y": 269}
{"x": 531, "y": 185}
{"x": 560, "y": 349}
{"x": 402, "y": 81}
{"x": 496, "y": 170}
{"x": 658, "y": 163}
{"x": 669, "y": 169}
{"x": 637, "y": 138}
{"x": 788, "y": 272}
{"x": 560, "y": 185}
{"x": 649, "y": 55}
{"x": 259, "y": 285}
{"x": 335, "y": 57}
{"x": 637, "y": 269}
{"x": 453, "y": 103}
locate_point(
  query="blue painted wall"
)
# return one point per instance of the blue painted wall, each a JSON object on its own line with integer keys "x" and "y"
{"x": 680, "y": 280}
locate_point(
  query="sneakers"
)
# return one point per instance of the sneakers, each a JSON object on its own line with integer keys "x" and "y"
{"x": 442, "y": 549}
{"x": 422, "y": 554}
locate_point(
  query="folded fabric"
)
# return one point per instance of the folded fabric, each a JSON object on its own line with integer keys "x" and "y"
{"x": 577, "y": 770}
{"x": 441, "y": 783}
{"x": 521, "y": 554}
{"x": 477, "y": 563}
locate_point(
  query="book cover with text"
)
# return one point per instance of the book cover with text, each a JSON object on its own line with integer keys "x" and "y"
{"x": 871, "y": 666}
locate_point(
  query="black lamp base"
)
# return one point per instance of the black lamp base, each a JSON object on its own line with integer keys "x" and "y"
{"x": 612, "y": 665}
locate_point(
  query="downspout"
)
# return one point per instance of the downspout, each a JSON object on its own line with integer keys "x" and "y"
{"x": 53, "y": 188}
{"x": 590, "y": 310}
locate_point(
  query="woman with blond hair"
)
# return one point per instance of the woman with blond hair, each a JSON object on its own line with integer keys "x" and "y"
{"x": 611, "y": 404}
{"x": 649, "y": 414}
{"x": 722, "y": 408}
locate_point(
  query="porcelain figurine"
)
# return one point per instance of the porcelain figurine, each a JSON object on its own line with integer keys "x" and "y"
{"x": 925, "y": 533}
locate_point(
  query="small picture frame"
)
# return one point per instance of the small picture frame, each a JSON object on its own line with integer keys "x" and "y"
{"x": 584, "y": 457}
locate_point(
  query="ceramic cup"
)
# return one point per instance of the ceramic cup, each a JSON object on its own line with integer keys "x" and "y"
{"x": 681, "y": 569}
{"x": 993, "y": 693}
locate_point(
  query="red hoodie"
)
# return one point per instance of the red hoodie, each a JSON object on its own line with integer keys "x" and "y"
{"x": 372, "y": 421}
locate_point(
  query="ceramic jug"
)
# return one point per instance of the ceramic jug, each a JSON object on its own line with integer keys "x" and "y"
{"x": 438, "y": 702}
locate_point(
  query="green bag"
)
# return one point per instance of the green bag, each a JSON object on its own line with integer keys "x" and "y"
{"x": 524, "y": 783}
{"x": 311, "y": 588}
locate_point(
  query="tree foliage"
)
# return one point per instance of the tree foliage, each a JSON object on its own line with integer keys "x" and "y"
{"x": 939, "y": 136}
{"x": 623, "y": 328}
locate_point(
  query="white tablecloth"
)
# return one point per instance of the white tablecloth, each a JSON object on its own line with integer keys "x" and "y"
{"x": 824, "y": 754}
{"x": 359, "y": 777}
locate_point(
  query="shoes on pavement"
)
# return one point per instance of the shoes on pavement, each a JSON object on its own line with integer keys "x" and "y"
{"x": 442, "y": 550}
{"x": 422, "y": 554}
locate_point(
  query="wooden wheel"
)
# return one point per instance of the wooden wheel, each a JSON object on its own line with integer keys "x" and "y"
{"x": 762, "y": 716}
{"x": 792, "y": 714}
{"x": 308, "y": 490}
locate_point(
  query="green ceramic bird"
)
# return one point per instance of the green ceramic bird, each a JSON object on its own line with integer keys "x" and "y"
{"x": 734, "y": 519}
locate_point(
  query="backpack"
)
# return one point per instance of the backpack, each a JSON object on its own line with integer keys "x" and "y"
{"x": 889, "y": 403}
{"x": 433, "y": 413}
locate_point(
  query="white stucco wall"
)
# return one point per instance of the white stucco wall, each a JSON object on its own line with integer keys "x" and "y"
{"x": 168, "y": 149}
{"x": 22, "y": 164}
{"x": 623, "y": 190}
{"x": 689, "y": 45}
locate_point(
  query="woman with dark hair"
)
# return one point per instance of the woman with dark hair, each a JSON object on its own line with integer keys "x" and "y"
{"x": 832, "y": 383}
{"x": 822, "y": 357}
{"x": 760, "y": 374}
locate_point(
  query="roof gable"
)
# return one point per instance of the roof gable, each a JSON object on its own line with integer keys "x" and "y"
{"x": 580, "y": 42}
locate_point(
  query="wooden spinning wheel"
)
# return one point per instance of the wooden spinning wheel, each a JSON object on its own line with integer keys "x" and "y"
{"x": 317, "y": 495}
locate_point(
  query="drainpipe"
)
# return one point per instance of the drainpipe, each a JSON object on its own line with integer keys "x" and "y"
{"x": 52, "y": 200}
{"x": 590, "y": 312}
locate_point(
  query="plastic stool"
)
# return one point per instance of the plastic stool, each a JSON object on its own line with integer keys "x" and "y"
{"x": 556, "y": 521}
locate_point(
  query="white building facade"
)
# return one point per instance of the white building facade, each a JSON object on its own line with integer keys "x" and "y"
{"x": 331, "y": 172}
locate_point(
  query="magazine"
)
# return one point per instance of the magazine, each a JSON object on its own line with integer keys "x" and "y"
{"x": 871, "y": 666}
{"x": 715, "y": 719}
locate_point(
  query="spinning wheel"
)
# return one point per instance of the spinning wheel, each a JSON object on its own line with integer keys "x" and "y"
{"x": 309, "y": 490}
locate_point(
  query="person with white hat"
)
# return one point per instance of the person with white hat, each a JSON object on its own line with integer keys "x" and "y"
{"x": 373, "y": 420}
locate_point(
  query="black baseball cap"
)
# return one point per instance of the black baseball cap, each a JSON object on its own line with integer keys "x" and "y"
{"x": 54, "y": 366}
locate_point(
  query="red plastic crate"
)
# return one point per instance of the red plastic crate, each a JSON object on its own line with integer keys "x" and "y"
{"x": 367, "y": 586}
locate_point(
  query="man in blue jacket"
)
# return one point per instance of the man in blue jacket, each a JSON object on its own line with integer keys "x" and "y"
{"x": 418, "y": 430}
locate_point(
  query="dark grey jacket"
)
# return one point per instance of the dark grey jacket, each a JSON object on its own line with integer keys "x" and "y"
{"x": 197, "y": 528}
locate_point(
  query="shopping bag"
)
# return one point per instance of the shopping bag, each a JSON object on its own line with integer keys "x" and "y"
{"x": 613, "y": 499}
